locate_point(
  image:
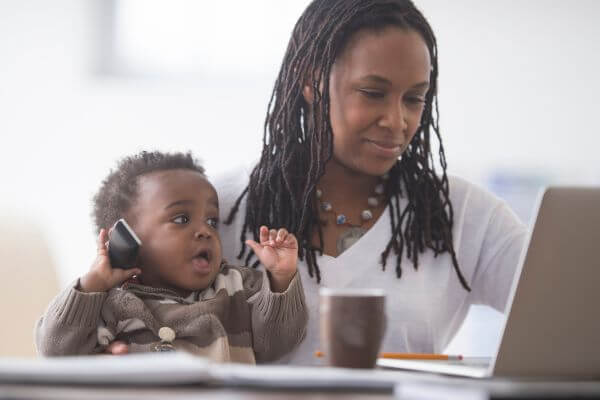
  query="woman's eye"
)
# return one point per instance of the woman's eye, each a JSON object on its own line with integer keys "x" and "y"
{"x": 372, "y": 94}
{"x": 181, "y": 219}
{"x": 415, "y": 100}
{"x": 212, "y": 222}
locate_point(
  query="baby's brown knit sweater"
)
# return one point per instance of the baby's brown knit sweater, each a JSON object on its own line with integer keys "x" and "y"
{"x": 238, "y": 318}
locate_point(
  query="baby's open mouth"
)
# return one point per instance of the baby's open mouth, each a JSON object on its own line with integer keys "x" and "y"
{"x": 203, "y": 254}
{"x": 201, "y": 262}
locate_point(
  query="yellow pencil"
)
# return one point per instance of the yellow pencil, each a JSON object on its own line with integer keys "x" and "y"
{"x": 410, "y": 356}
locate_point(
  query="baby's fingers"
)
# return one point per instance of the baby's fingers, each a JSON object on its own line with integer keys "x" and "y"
{"x": 281, "y": 236}
{"x": 272, "y": 236}
{"x": 290, "y": 241}
{"x": 263, "y": 234}
{"x": 253, "y": 245}
{"x": 102, "y": 242}
{"x": 125, "y": 274}
{"x": 117, "y": 348}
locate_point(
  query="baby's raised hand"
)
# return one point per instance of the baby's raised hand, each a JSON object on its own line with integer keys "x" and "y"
{"x": 278, "y": 252}
{"x": 102, "y": 276}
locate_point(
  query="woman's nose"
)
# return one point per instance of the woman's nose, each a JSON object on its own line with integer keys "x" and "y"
{"x": 394, "y": 117}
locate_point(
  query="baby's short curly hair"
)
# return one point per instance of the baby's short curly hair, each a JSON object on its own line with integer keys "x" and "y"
{"x": 118, "y": 191}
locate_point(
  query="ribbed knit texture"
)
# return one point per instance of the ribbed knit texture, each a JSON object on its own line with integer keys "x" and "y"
{"x": 237, "y": 319}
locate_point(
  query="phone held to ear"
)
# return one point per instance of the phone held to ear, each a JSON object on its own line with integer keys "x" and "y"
{"x": 123, "y": 245}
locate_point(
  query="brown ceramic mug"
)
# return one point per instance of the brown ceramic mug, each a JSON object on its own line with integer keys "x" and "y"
{"x": 352, "y": 323}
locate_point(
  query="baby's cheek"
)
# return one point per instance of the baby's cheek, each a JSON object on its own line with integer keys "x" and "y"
{"x": 218, "y": 250}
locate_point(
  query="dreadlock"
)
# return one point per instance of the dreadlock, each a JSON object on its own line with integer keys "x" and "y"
{"x": 297, "y": 144}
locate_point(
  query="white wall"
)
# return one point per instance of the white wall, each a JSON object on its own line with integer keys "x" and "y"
{"x": 518, "y": 93}
{"x": 519, "y": 83}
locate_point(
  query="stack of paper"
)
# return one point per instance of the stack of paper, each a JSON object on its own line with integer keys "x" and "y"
{"x": 161, "y": 369}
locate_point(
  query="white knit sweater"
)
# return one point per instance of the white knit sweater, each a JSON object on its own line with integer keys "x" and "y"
{"x": 425, "y": 307}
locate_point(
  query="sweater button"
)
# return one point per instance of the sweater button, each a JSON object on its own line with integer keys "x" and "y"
{"x": 167, "y": 336}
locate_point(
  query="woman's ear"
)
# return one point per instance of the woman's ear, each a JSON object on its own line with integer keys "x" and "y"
{"x": 308, "y": 90}
{"x": 308, "y": 93}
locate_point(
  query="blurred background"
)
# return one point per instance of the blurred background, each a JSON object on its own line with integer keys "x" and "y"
{"x": 85, "y": 82}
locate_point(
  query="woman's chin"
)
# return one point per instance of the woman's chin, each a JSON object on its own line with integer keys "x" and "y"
{"x": 371, "y": 167}
{"x": 378, "y": 168}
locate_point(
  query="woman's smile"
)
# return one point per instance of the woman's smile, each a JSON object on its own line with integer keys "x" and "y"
{"x": 384, "y": 148}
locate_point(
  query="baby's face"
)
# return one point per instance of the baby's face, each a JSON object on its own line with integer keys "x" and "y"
{"x": 175, "y": 216}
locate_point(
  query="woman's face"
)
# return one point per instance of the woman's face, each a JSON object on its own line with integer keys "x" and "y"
{"x": 377, "y": 95}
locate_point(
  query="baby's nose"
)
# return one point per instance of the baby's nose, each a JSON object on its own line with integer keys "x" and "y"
{"x": 202, "y": 233}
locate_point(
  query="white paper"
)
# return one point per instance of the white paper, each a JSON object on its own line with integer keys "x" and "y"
{"x": 182, "y": 368}
{"x": 475, "y": 367}
{"x": 148, "y": 368}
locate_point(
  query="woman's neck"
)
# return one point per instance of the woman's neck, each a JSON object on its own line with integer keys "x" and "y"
{"x": 345, "y": 193}
{"x": 346, "y": 183}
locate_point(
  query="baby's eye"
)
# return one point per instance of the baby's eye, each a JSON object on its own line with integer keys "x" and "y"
{"x": 181, "y": 219}
{"x": 212, "y": 222}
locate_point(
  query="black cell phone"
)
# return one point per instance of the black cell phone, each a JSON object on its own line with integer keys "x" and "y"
{"x": 123, "y": 245}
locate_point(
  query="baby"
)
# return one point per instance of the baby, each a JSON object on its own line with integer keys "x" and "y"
{"x": 182, "y": 295}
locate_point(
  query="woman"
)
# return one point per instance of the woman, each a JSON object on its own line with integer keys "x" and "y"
{"x": 347, "y": 166}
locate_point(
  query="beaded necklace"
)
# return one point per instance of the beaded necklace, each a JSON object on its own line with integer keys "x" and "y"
{"x": 355, "y": 231}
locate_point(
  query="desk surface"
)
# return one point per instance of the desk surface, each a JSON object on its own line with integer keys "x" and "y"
{"x": 182, "y": 376}
{"x": 404, "y": 389}
{"x": 51, "y": 392}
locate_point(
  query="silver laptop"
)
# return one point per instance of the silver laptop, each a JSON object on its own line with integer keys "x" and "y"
{"x": 553, "y": 324}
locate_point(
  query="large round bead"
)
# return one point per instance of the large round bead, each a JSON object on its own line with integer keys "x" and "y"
{"x": 366, "y": 215}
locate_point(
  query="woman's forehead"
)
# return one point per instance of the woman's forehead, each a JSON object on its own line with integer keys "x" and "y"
{"x": 389, "y": 52}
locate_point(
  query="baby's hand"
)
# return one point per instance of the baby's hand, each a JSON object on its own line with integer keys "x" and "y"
{"x": 278, "y": 252}
{"x": 102, "y": 276}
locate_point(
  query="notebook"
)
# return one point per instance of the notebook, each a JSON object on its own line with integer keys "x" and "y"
{"x": 553, "y": 323}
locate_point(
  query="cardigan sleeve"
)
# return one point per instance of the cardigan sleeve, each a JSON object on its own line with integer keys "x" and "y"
{"x": 69, "y": 325}
{"x": 278, "y": 319}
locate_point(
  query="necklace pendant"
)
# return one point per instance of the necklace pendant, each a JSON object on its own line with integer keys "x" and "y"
{"x": 348, "y": 238}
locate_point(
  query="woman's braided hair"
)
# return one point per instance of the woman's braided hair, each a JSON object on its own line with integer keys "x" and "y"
{"x": 297, "y": 143}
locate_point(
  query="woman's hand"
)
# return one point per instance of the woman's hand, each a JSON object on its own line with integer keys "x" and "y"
{"x": 102, "y": 276}
{"x": 278, "y": 252}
